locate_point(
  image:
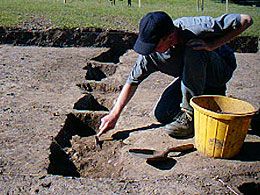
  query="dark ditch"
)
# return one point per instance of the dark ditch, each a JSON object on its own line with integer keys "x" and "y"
{"x": 118, "y": 41}
{"x": 247, "y": 2}
{"x": 76, "y": 37}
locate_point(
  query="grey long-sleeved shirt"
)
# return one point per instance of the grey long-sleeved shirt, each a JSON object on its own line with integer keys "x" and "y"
{"x": 202, "y": 27}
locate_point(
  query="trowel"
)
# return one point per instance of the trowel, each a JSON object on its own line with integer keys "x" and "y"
{"x": 99, "y": 141}
{"x": 155, "y": 155}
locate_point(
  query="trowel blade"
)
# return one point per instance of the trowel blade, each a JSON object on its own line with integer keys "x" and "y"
{"x": 142, "y": 153}
{"x": 98, "y": 143}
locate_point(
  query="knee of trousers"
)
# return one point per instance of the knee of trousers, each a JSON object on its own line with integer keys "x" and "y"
{"x": 161, "y": 116}
{"x": 164, "y": 116}
{"x": 194, "y": 59}
{"x": 192, "y": 52}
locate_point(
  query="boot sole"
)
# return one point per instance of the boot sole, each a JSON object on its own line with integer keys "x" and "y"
{"x": 178, "y": 135}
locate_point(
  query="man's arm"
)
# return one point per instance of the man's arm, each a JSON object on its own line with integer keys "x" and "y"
{"x": 141, "y": 70}
{"x": 198, "y": 44}
{"x": 245, "y": 22}
{"x": 108, "y": 122}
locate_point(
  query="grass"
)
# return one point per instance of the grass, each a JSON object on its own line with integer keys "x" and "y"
{"x": 100, "y": 13}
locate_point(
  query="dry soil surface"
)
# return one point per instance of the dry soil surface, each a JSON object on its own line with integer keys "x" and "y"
{"x": 52, "y": 100}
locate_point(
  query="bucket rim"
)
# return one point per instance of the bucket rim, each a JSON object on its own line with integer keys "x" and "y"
{"x": 224, "y": 116}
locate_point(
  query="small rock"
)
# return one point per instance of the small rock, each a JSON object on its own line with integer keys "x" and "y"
{"x": 56, "y": 114}
{"x": 46, "y": 185}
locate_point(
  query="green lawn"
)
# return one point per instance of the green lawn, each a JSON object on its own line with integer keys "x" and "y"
{"x": 100, "y": 13}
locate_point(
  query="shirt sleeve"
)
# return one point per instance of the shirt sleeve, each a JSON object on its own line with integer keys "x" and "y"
{"x": 227, "y": 22}
{"x": 141, "y": 70}
{"x": 207, "y": 26}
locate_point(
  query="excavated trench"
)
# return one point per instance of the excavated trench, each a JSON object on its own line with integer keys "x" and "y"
{"x": 99, "y": 90}
{"x": 73, "y": 151}
{"x": 96, "y": 74}
{"x": 98, "y": 71}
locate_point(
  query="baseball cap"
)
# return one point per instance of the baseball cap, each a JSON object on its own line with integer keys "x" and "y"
{"x": 152, "y": 27}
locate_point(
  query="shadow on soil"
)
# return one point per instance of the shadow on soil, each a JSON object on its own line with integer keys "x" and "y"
{"x": 121, "y": 135}
{"x": 254, "y": 132}
{"x": 255, "y": 124}
{"x": 250, "y": 188}
{"x": 88, "y": 102}
{"x": 73, "y": 126}
{"x": 249, "y": 152}
{"x": 166, "y": 164}
{"x": 60, "y": 163}
{"x": 97, "y": 71}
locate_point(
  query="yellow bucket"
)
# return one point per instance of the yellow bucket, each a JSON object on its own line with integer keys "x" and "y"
{"x": 221, "y": 124}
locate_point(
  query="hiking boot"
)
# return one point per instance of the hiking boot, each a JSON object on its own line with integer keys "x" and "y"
{"x": 182, "y": 126}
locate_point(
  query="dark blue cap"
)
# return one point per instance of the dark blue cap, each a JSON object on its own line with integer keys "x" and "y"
{"x": 153, "y": 26}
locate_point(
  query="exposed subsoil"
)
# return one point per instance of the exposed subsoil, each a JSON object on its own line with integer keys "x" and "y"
{"x": 52, "y": 100}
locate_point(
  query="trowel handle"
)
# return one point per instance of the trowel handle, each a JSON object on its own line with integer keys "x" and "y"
{"x": 106, "y": 139}
{"x": 181, "y": 148}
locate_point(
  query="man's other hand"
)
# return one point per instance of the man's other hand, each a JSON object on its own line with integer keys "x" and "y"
{"x": 199, "y": 44}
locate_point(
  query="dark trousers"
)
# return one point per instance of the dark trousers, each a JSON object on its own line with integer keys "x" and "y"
{"x": 204, "y": 73}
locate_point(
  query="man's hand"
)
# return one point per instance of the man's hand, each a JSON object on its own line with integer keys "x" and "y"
{"x": 108, "y": 122}
{"x": 199, "y": 44}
